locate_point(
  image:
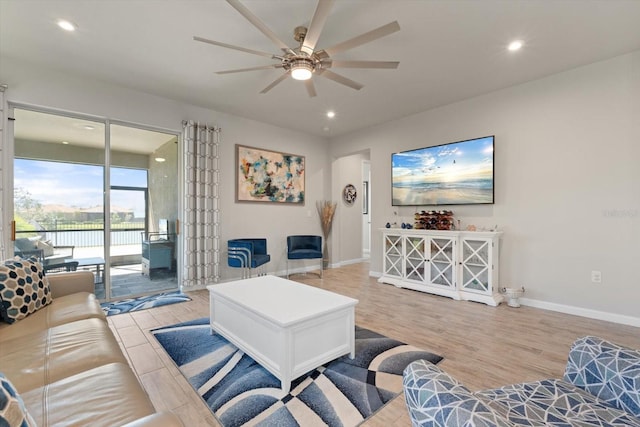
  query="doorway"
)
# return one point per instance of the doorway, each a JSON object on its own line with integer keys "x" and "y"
{"x": 84, "y": 192}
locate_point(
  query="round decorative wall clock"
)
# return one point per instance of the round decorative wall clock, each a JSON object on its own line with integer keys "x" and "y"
{"x": 349, "y": 194}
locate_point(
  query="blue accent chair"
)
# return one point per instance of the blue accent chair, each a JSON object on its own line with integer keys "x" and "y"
{"x": 304, "y": 247}
{"x": 248, "y": 254}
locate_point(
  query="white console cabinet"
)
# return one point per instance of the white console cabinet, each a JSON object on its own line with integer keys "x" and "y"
{"x": 455, "y": 264}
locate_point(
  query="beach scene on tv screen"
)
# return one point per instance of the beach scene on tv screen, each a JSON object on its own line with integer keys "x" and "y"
{"x": 450, "y": 174}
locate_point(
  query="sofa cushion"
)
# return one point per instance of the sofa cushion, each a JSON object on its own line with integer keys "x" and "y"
{"x": 436, "y": 399}
{"x": 40, "y": 358}
{"x": 606, "y": 370}
{"x": 109, "y": 395}
{"x": 553, "y": 402}
{"x": 304, "y": 254}
{"x": 24, "y": 289}
{"x": 12, "y": 409}
{"x": 65, "y": 309}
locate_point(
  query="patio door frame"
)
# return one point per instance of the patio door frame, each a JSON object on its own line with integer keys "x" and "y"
{"x": 7, "y": 167}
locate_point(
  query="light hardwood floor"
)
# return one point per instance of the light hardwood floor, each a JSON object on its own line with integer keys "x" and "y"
{"x": 484, "y": 347}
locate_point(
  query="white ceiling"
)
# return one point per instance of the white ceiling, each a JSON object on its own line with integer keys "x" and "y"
{"x": 448, "y": 50}
{"x": 56, "y": 129}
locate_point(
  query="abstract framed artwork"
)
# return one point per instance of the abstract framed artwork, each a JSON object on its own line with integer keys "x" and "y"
{"x": 266, "y": 176}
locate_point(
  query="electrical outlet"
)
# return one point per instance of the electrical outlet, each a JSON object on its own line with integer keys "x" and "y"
{"x": 596, "y": 276}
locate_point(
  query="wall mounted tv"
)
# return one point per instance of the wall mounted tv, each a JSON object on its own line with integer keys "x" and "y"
{"x": 458, "y": 173}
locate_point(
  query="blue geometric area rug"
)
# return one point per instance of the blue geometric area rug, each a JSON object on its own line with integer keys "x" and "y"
{"x": 344, "y": 392}
{"x": 142, "y": 303}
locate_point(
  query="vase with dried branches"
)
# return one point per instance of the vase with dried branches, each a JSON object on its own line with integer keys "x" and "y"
{"x": 326, "y": 210}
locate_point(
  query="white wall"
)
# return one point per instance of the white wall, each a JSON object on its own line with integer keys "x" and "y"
{"x": 567, "y": 182}
{"x": 30, "y": 84}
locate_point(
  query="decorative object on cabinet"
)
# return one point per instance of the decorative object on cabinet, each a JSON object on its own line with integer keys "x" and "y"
{"x": 434, "y": 220}
{"x": 269, "y": 176}
{"x": 456, "y": 264}
{"x": 349, "y": 194}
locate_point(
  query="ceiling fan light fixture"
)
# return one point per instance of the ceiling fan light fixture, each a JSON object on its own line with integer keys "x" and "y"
{"x": 301, "y": 69}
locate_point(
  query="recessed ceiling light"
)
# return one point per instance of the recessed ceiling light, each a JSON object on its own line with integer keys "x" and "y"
{"x": 65, "y": 142}
{"x": 66, "y": 25}
{"x": 515, "y": 45}
{"x": 160, "y": 159}
{"x": 89, "y": 127}
{"x": 331, "y": 114}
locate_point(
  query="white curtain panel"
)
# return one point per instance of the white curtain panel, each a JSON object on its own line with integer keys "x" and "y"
{"x": 201, "y": 145}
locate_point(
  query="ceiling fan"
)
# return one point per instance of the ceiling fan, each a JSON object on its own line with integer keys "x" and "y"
{"x": 302, "y": 62}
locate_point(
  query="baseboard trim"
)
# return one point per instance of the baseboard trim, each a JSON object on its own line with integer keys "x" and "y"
{"x": 583, "y": 312}
{"x": 349, "y": 262}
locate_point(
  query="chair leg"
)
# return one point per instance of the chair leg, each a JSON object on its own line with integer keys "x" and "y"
{"x": 321, "y": 268}
{"x": 287, "y": 267}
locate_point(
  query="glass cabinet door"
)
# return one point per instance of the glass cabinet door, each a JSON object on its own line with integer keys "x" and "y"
{"x": 476, "y": 265}
{"x": 415, "y": 258}
{"x": 393, "y": 255}
{"x": 442, "y": 262}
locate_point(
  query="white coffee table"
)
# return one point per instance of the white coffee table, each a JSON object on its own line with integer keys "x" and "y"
{"x": 287, "y": 327}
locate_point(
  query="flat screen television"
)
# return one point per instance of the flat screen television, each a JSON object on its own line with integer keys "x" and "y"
{"x": 457, "y": 173}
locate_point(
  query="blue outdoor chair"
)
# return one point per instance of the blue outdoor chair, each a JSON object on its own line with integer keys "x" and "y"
{"x": 248, "y": 254}
{"x": 304, "y": 247}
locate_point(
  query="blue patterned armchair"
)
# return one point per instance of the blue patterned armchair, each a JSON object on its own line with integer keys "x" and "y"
{"x": 600, "y": 387}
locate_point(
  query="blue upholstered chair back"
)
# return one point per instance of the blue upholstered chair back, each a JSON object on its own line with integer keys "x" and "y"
{"x": 304, "y": 247}
{"x": 250, "y": 253}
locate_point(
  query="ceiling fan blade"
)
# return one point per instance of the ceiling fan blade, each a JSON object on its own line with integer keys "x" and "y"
{"x": 335, "y": 63}
{"x": 259, "y": 25}
{"x": 339, "y": 79}
{"x": 241, "y": 49}
{"x": 367, "y": 37}
{"x": 241, "y": 70}
{"x": 275, "y": 82}
{"x": 316, "y": 25}
{"x": 311, "y": 89}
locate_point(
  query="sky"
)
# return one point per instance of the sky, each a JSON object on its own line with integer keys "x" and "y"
{"x": 77, "y": 185}
{"x": 461, "y": 159}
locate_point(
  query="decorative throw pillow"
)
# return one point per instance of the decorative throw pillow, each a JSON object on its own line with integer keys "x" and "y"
{"x": 13, "y": 413}
{"x": 24, "y": 289}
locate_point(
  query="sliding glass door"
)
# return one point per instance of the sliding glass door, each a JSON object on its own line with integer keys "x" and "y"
{"x": 73, "y": 215}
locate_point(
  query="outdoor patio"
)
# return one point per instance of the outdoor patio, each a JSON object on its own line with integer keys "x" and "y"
{"x": 126, "y": 279}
